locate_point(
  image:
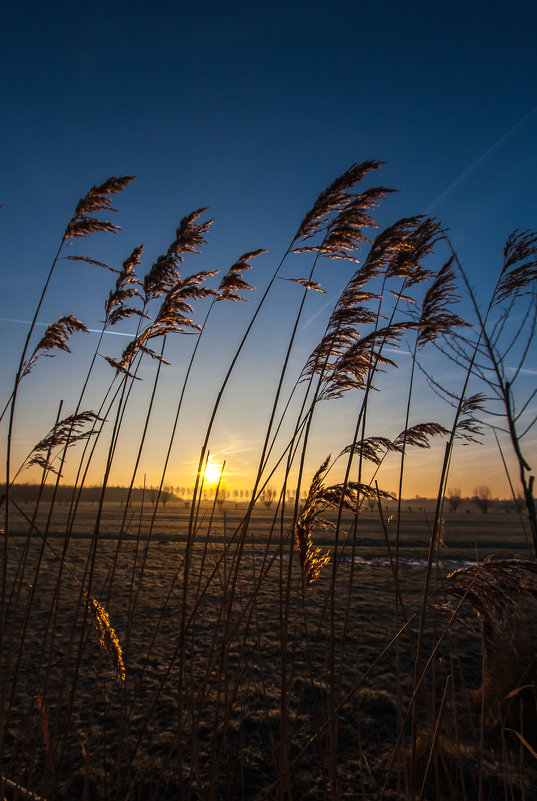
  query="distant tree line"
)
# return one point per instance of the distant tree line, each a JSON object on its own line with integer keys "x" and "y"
{"x": 28, "y": 493}
{"x": 481, "y": 499}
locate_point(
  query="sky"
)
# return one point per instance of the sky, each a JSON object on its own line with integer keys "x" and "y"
{"x": 251, "y": 110}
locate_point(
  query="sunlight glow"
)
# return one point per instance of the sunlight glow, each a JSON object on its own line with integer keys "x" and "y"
{"x": 213, "y": 473}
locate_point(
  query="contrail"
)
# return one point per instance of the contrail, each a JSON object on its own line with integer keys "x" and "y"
{"x": 329, "y": 301}
{"x": 45, "y": 325}
{"x": 496, "y": 146}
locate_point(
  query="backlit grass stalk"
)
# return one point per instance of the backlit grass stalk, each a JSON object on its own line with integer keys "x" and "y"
{"x": 191, "y": 527}
{"x": 163, "y": 279}
{"x": 230, "y": 286}
{"x": 53, "y": 338}
{"x": 434, "y": 321}
{"x": 383, "y": 251}
{"x": 463, "y": 417}
{"x": 315, "y": 361}
{"x": 343, "y": 236}
{"x": 80, "y": 225}
{"x": 331, "y": 200}
{"x": 169, "y": 318}
{"x": 414, "y": 240}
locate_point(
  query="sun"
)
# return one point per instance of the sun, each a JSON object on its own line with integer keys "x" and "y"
{"x": 213, "y": 473}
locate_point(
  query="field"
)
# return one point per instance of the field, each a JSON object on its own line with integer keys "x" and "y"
{"x": 217, "y": 696}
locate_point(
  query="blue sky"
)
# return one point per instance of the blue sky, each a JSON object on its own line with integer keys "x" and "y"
{"x": 250, "y": 110}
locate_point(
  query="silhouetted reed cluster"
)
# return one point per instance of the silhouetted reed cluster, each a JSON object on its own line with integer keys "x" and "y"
{"x": 228, "y": 708}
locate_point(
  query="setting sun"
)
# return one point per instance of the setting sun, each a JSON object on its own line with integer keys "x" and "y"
{"x": 213, "y": 473}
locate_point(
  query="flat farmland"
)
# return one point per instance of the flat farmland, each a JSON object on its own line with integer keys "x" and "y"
{"x": 233, "y": 667}
{"x": 468, "y": 532}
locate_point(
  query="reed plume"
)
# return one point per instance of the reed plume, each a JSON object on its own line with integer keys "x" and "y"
{"x": 468, "y": 427}
{"x": 66, "y": 432}
{"x": 57, "y": 334}
{"x": 494, "y": 587}
{"x": 435, "y": 319}
{"x": 396, "y": 252}
{"x": 319, "y": 499}
{"x": 396, "y": 249}
{"x": 503, "y": 592}
{"x": 172, "y": 316}
{"x": 370, "y": 448}
{"x": 55, "y": 337}
{"x": 345, "y": 232}
{"x": 312, "y": 559}
{"x": 352, "y": 369}
{"x": 162, "y": 279}
{"x": 107, "y": 635}
{"x": 419, "y": 435}
{"x": 307, "y": 284}
{"x": 126, "y": 287}
{"x": 164, "y": 273}
{"x": 171, "y": 319}
{"x": 97, "y": 199}
{"x": 333, "y": 199}
{"x": 406, "y": 262}
{"x": 519, "y": 270}
{"x": 232, "y": 282}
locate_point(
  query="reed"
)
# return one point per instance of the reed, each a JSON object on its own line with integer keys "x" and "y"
{"x": 320, "y": 648}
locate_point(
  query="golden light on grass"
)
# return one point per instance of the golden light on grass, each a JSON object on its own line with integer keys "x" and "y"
{"x": 213, "y": 473}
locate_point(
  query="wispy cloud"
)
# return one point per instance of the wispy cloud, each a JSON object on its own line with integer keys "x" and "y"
{"x": 223, "y": 453}
{"x": 525, "y": 370}
{"x": 231, "y": 451}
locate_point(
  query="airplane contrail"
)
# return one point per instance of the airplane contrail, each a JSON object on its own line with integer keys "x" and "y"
{"x": 484, "y": 156}
{"x": 328, "y": 302}
{"x": 45, "y": 325}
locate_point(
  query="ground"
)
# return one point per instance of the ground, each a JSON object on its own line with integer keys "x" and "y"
{"x": 239, "y": 680}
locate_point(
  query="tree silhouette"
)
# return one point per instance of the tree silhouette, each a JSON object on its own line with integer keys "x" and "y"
{"x": 454, "y": 498}
{"x": 482, "y": 498}
{"x": 268, "y": 496}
